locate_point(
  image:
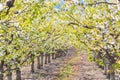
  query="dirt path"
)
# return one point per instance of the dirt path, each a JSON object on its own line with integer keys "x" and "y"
{"x": 85, "y": 70}
{"x": 68, "y": 68}
{"x": 50, "y": 71}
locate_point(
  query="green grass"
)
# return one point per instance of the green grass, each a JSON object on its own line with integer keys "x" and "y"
{"x": 66, "y": 70}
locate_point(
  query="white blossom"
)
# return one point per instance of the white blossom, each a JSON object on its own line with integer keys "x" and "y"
{"x": 1, "y": 6}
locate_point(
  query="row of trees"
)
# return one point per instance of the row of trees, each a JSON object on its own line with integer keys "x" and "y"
{"x": 30, "y": 30}
{"x": 34, "y": 27}
{"x": 100, "y": 26}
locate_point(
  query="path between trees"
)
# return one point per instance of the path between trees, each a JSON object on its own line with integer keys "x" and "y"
{"x": 83, "y": 69}
{"x": 71, "y": 67}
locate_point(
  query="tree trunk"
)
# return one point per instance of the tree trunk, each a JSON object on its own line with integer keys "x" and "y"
{"x": 60, "y": 54}
{"x": 9, "y": 74}
{"x": 46, "y": 56}
{"x": 41, "y": 60}
{"x": 1, "y": 70}
{"x": 53, "y": 56}
{"x": 112, "y": 73}
{"x": 18, "y": 74}
{"x": 65, "y": 52}
{"x": 32, "y": 67}
{"x": 105, "y": 69}
{"x": 49, "y": 58}
{"x": 56, "y": 55}
{"x": 108, "y": 71}
{"x": 38, "y": 62}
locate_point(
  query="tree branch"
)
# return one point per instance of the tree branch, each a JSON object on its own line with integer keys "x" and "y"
{"x": 97, "y": 3}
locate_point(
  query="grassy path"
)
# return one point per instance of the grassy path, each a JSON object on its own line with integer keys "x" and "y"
{"x": 82, "y": 69}
{"x": 51, "y": 71}
{"x": 71, "y": 67}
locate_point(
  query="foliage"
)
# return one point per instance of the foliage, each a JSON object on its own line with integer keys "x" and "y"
{"x": 35, "y": 26}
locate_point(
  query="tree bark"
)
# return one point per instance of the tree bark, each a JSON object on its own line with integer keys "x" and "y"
{"x": 49, "y": 58}
{"x": 32, "y": 67}
{"x": 105, "y": 69}
{"x": 56, "y": 55}
{"x": 18, "y": 74}
{"x": 1, "y": 70}
{"x": 9, "y": 75}
{"x": 112, "y": 73}
{"x": 46, "y": 56}
{"x": 53, "y": 56}
{"x": 42, "y": 60}
{"x": 108, "y": 71}
{"x": 38, "y": 62}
